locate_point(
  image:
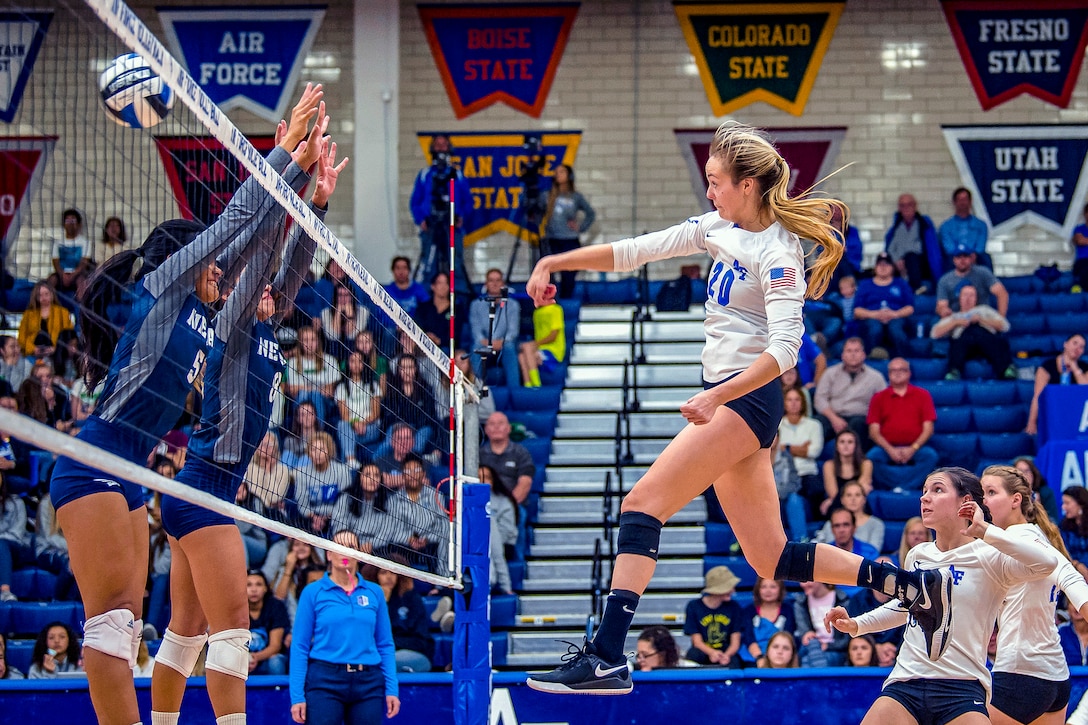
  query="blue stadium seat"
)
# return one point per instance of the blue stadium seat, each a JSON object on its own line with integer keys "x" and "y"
{"x": 29, "y": 618}
{"x": 881, "y": 366}
{"x": 1023, "y": 303}
{"x": 927, "y": 369}
{"x": 500, "y": 645}
{"x": 978, "y": 370}
{"x": 987, "y": 462}
{"x": 538, "y": 480}
{"x": 1025, "y": 390}
{"x": 504, "y": 610}
{"x": 892, "y": 506}
{"x": 944, "y": 392}
{"x": 20, "y": 653}
{"x": 1000, "y": 419}
{"x": 919, "y": 347}
{"x": 719, "y": 537}
{"x": 956, "y": 449}
{"x": 540, "y": 422}
{"x": 1030, "y": 343}
{"x": 893, "y": 534}
{"x": 501, "y": 395}
{"x": 572, "y": 309}
{"x": 5, "y": 617}
{"x": 953, "y": 419}
{"x": 1019, "y": 285}
{"x": 1005, "y": 445}
{"x": 545, "y": 398}
{"x": 737, "y": 564}
{"x": 517, "y": 574}
{"x": 443, "y": 649}
{"x": 925, "y": 304}
{"x": 622, "y": 292}
{"x": 743, "y": 599}
{"x": 991, "y": 393}
{"x": 540, "y": 449}
{"x": 1060, "y": 304}
{"x": 33, "y": 584}
{"x": 1068, "y": 323}
{"x": 1032, "y": 323}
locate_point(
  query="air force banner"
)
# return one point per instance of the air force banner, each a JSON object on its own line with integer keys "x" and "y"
{"x": 1024, "y": 174}
{"x": 21, "y": 36}
{"x": 244, "y": 57}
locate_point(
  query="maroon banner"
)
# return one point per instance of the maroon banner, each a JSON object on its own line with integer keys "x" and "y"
{"x": 21, "y": 162}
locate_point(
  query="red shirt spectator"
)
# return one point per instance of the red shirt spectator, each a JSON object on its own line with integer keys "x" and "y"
{"x": 900, "y": 422}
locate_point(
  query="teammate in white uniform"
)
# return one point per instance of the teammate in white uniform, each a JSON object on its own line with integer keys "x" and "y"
{"x": 985, "y": 562}
{"x": 1031, "y": 678}
{"x": 753, "y": 329}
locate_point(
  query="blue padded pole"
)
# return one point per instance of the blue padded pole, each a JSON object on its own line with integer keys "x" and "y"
{"x": 472, "y": 627}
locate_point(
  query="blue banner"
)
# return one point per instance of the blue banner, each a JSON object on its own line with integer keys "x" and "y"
{"x": 21, "y": 36}
{"x": 244, "y": 57}
{"x": 1024, "y": 174}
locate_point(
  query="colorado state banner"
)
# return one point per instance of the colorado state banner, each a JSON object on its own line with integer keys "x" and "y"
{"x": 1012, "y": 47}
{"x": 492, "y": 162}
{"x": 502, "y": 52}
{"x": 750, "y": 52}
{"x": 1024, "y": 174}
{"x": 21, "y": 162}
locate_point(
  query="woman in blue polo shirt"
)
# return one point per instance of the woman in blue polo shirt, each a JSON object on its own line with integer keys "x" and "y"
{"x": 343, "y": 660}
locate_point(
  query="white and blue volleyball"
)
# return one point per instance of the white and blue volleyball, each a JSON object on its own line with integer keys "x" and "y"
{"x": 133, "y": 94}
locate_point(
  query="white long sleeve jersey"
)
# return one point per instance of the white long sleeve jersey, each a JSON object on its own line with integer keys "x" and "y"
{"x": 982, "y": 573}
{"x": 755, "y": 291}
{"x": 1027, "y": 638}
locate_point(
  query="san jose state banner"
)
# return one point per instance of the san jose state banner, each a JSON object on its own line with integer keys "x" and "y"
{"x": 204, "y": 175}
{"x": 244, "y": 57}
{"x": 1024, "y": 174}
{"x": 21, "y": 162}
{"x": 492, "y": 53}
{"x": 492, "y": 163}
{"x": 21, "y": 36}
{"x": 1011, "y": 47}
{"x": 767, "y": 51}
{"x": 810, "y": 153}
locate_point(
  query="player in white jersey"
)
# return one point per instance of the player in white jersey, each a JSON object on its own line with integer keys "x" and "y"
{"x": 985, "y": 562}
{"x": 1031, "y": 678}
{"x": 753, "y": 332}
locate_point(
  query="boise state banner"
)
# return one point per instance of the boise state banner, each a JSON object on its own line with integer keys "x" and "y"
{"x": 21, "y": 36}
{"x": 492, "y": 164}
{"x": 768, "y": 51}
{"x": 21, "y": 164}
{"x": 1010, "y": 47}
{"x": 1024, "y": 174}
{"x": 498, "y": 52}
{"x": 810, "y": 153}
{"x": 204, "y": 175}
{"x": 244, "y": 57}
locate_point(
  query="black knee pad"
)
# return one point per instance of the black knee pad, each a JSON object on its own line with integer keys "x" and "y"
{"x": 639, "y": 534}
{"x": 797, "y": 562}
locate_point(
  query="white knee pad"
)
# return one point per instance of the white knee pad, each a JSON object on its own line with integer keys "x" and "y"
{"x": 112, "y": 633}
{"x": 228, "y": 653}
{"x": 180, "y": 653}
{"x": 137, "y": 637}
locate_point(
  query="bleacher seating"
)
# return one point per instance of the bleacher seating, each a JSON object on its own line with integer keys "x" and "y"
{"x": 988, "y": 393}
{"x": 33, "y": 584}
{"x": 20, "y": 653}
{"x": 737, "y": 564}
{"x": 26, "y": 619}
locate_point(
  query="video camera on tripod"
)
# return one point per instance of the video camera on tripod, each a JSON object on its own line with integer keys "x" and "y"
{"x": 533, "y": 206}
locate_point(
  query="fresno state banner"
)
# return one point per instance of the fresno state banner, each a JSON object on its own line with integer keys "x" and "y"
{"x": 492, "y": 163}
{"x": 1023, "y": 174}
{"x": 1012, "y": 47}
{"x": 752, "y": 52}
{"x": 247, "y": 57}
{"x": 21, "y": 163}
{"x": 21, "y": 36}
{"x": 204, "y": 175}
{"x": 501, "y": 52}
{"x": 810, "y": 153}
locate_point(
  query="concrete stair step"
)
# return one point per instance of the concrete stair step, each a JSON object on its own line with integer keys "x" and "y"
{"x": 576, "y": 575}
{"x": 589, "y": 510}
{"x": 610, "y": 399}
{"x": 655, "y": 351}
{"x": 576, "y": 542}
{"x": 681, "y": 330}
{"x": 543, "y": 649}
{"x": 663, "y": 424}
{"x": 649, "y": 375}
{"x": 622, "y": 313}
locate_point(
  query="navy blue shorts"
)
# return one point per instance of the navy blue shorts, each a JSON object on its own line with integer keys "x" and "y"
{"x": 74, "y": 479}
{"x": 936, "y": 702}
{"x": 548, "y": 363}
{"x": 1025, "y": 698}
{"x": 762, "y": 409}
{"x": 181, "y": 517}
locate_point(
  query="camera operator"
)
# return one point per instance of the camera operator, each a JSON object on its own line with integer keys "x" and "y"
{"x": 533, "y": 201}
{"x": 430, "y": 205}
{"x": 502, "y": 336}
{"x": 564, "y": 228}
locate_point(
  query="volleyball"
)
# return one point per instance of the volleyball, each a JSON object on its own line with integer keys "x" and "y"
{"x": 133, "y": 94}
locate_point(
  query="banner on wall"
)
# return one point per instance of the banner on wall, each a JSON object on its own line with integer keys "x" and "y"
{"x": 1023, "y": 174}
{"x": 493, "y": 164}
{"x": 1010, "y": 47}
{"x": 748, "y": 52}
{"x": 204, "y": 175}
{"x": 21, "y": 36}
{"x": 491, "y": 53}
{"x": 21, "y": 162}
{"x": 247, "y": 57}
{"x": 810, "y": 153}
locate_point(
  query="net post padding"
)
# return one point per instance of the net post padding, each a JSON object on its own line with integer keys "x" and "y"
{"x": 42, "y": 436}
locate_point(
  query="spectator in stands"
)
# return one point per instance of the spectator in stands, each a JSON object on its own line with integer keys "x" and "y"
{"x": 861, "y": 651}
{"x": 853, "y": 247}
{"x": 430, "y": 207}
{"x": 714, "y": 621}
{"x": 311, "y": 375}
{"x": 882, "y": 307}
{"x": 55, "y": 651}
{"x": 1073, "y": 636}
{"x": 965, "y": 271}
{"x": 886, "y": 643}
{"x": 914, "y": 532}
{"x": 1044, "y": 494}
{"x": 318, "y": 484}
{"x": 845, "y": 466}
{"x": 51, "y": 549}
{"x": 781, "y": 652}
{"x": 433, "y": 315}
{"x": 408, "y": 616}
{"x": 82, "y": 402}
{"x": 409, "y": 398}
{"x": 292, "y": 573}
{"x": 15, "y": 456}
{"x": 268, "y": 625}
{"x": 14, "y": 368}
{"x": 802, "y": 437}
{"x": 843, "y": 393}
{"x": 114, "y": 238}
{"x": 71, "y": 258}
{"x": 363, "y": 511}
{"x": 266, "y": 477}
{"x": 504, "y": 528}
{"x": 424, "y": 529}
{"x": 145, "y": 663}
{"x": 900, "y": 422}
{"x": 359, "y": 401}
{"x": 254, "y": 538}
{"x": 656, "y": 649}
{"x": 548, "y": 348}
{"x": 408, "y": 294}
{"x": 791, "y": 380}
{"x": 511, "y": 461}
{"x": 1080, "y": 259}
{"x": 502, "y": 338}
{"x": 42, "y": 314}
{"x": 375, "y": 365}
{"x": 788, "y": 484}
{"x": 174, "y": 446}
{"x": 7, "y": 672}
{"x": 868, "y": 528}
{"x": 1064, "y": 369}
{"x": 843, "y": 531}
{"x": 296, "y": 442}
{"x": 569, "y": 216}
{"x": 964, "y": 229}
{"x": 1074, "y": 524}
{"x": 768, "y": 613}
{"x": 820, "y": 648}
{"x": 342, "y": 321}
{"x": 67, "y": 358}
{"x": 486, "y": 406}
{"x": 391, "y": 462}
{"x": 16, "y": 544}
{"x": 811, "y": 364}
{"x": 976, "y": 331}
{"x": 911, "y": 241}
{"x": 43, "y": 400}
{"x": 843, "y": 296}
{"x": 157, "y": 612}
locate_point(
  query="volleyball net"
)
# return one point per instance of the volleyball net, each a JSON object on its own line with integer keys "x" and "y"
{"x": 361, "y": 453}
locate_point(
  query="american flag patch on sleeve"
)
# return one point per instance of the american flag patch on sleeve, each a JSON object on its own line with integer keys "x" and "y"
{"x": 783, "y": 277}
